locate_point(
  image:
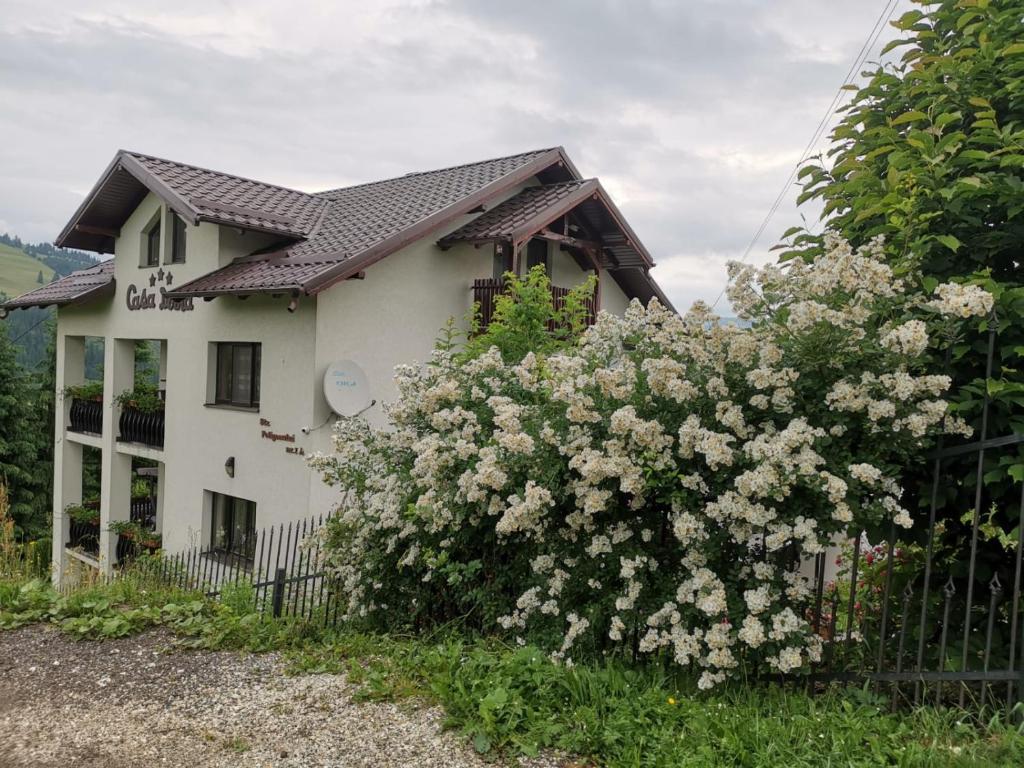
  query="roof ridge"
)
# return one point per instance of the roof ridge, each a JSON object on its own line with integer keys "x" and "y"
{"x": 436, "y": 170}
{"x": 219, "y": 173}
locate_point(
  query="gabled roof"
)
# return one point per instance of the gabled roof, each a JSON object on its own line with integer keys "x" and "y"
{"x": 329, "y": 236}
{"x": 524, "y": 214}
{"x": 367, "y": 222}
{"x": 83, "y": 285}
{"x": 196, "y": 194}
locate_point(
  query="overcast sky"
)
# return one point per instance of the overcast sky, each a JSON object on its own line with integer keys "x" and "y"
{"x": 691, "y": 112}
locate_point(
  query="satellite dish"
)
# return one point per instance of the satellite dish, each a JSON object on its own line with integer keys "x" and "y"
{"x": 345, "y": 388}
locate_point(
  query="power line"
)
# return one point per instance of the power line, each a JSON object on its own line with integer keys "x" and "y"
{"x": 29, "y": 330}
{"x": 858, "y": 61}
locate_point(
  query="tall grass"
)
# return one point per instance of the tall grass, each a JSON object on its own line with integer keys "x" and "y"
{"x": 19, "y": 560}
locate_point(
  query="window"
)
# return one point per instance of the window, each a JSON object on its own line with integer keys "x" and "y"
{"x": 238, "y": 374}
{"x": 537, "y": 254}
{"x": 152, "y": 245}
{"x": 233, "y": 532}
{"x": 177, "y": 239}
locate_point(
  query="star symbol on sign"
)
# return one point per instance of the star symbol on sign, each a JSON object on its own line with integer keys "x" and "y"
{"x": 160, "y": 274}
{"x": 152, "y": 280}
{"x": 169, "y": 279}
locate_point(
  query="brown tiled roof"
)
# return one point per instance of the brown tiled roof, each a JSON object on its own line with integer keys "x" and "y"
{"x": 258, "y": 276}
{"x": 234, "y": 200}
{"x": 367, "y": 221}
{"x": 505, "y": 220}
{"x": 79, "y": 286}
{"x": 329, "y": 236}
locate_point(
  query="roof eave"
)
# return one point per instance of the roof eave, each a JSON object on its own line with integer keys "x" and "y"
{"x": 123, "y": 160}
{"x": 624, "y": 225}
{"x": 96, "y": 292}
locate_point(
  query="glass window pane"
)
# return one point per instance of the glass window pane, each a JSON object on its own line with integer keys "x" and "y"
{"x": 242, "y": 375}
{"x": 178, "y": 246}
{"x": 257, "y": 360}
{"x": 239, "y": 528}
{"x": 153, "y": 246}
{"x": 224, "y": 357}
{"x": 250, "y": 530}
{"x": 220, "y": 528}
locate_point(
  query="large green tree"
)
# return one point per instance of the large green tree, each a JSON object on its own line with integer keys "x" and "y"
{"x": 929, "y": 154}
{"x": 20, "y": 441}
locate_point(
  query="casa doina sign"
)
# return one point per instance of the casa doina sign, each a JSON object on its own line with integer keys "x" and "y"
{"x": 147, "y": 298}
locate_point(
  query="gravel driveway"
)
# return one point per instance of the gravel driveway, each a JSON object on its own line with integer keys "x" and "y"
{"x": 129, "y": 702}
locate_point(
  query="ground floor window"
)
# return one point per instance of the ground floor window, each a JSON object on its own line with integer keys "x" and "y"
{"x": 233, "y": 532}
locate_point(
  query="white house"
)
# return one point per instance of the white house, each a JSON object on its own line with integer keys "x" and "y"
{"x": 252, "y": 290}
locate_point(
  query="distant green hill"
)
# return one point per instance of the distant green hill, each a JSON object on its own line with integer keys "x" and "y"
{"x": 20, "y": 272}
{"x": 20, "y": 266}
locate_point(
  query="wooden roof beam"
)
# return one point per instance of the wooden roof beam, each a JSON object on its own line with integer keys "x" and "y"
{"x": 569, "y": 240}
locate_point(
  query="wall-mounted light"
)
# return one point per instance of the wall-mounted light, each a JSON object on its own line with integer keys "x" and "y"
{"x": 229, "y": 466}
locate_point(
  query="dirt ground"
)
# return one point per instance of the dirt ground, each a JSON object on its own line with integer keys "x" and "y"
{"x": 137, "y": 702}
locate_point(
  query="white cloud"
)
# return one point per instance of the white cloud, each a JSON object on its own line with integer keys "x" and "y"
{"x": 691, "y": 113}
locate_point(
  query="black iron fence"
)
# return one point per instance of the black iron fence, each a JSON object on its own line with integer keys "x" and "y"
{"x": 86, "y": 416}
{"x": 283, "y": 570}
{"x": 146, "y": 427}
{"x": 936, "y": 617}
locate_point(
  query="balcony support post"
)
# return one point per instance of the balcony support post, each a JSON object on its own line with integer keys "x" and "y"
{"x": 116, "y": 473}
{"x": 67, "y": 456}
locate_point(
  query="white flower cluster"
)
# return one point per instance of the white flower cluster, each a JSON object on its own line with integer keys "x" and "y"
{"x": 656, "y": 485}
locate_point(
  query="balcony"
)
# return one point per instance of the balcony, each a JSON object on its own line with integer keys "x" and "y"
{"x": 142, "y": 426}
{"x": 86, "y": 416}
{"x": 487, "y": 290}
{"x": 85, "y": 528}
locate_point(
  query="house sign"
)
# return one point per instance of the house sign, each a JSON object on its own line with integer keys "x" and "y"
{"x": 147, "y": 299}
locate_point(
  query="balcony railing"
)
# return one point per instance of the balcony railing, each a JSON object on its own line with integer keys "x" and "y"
{"x": 487, "y": 290}
{"x": 146, "y": 427}
{"x": 86, "y": 416}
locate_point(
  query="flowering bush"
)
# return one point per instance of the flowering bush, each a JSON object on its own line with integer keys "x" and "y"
{"x": 654, "y": 487}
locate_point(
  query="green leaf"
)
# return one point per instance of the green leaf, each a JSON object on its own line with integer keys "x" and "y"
{"x": 909, "y": 117}
{"x": 977, "y": 101}
{"x": 1012, "y": 50}
{"x": 481, "y": 742}
{"x": 949, "y": 241}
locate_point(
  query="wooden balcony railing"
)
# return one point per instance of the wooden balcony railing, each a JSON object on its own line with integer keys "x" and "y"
{"x": 146, "y": 427}
{"x": 86, "y": 416}
{"x": 487, "y": 290}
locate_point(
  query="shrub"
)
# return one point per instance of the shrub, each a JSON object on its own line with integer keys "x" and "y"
{"x": 654, "y": 488}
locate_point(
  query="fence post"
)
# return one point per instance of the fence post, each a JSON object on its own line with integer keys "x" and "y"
{"x": 278, "y": 597}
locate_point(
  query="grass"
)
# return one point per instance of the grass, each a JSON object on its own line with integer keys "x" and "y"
{"x": 514, "y": 700}
{"x": 19, "y": 272}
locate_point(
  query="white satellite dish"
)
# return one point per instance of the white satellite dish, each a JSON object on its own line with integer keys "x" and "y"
{"x": 346, "y": 389}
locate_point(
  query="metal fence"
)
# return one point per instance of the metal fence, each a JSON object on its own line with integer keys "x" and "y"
{"x": 944, "y": 627}
{"x": 281, "y": 566}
